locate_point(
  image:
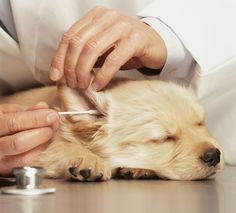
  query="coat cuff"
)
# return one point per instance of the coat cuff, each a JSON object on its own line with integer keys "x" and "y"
{"x": 179, "y": 60}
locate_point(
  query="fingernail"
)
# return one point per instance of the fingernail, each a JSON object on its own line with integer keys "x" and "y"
{"x": 52, "y": 118}
{"x": 41, "y": 103}
{"x": 95, "y": 86}
{"x": 55, "y": 74}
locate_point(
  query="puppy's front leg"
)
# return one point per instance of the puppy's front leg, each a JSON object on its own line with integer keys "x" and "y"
{"x": 72, "y": 161}
{"x": 133, "y": 173}
{"x": 88, "y": 167}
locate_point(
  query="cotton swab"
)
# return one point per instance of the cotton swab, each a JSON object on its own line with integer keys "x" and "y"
{"x": 90, "y": 112}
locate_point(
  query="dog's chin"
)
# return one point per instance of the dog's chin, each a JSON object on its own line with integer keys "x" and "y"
{"x": 208, "y": 176}
{"x": 212, "y": 174}
{"x": 205, "y": 174}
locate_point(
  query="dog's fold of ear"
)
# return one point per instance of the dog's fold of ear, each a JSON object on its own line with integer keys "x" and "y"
{"x": 83, "y": 100}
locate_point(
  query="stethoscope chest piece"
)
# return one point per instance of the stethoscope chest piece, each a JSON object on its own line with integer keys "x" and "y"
{"x": 28, "y": 182}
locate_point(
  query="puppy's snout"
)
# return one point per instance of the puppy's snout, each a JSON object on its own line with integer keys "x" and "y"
{"x": 211, "y": 157}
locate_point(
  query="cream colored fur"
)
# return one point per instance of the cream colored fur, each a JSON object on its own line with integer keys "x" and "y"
{"x": 146, "y": 129}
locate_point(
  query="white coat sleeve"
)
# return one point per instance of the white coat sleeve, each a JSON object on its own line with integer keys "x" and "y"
{"x": 206, "y": 28}
{"x": 179, "y": 60}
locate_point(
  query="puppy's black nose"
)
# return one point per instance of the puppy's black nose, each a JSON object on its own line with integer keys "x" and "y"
{"x": 211, "y": 157}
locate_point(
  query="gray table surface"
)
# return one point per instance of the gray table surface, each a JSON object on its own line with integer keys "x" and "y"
{"x": 216, "y": 196}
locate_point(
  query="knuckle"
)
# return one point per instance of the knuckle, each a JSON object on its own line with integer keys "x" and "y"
{"x": 71, "y": 81}
{"x": 113, "y": 14}
{"x": 90, "y": 46}
{"x": 81, "y": 76}
{"x": 16, "y": 143}
{"x": 48, "y": 133}
{"x": 102, "y": 77}
{"x": 125, "y": 28}
{"x": 125, "y": 25}
{"x": 98, "y": 8}
{"x": 75, "y": 42}
{"x": 35, "y": 119}
{"x": 112, "y": 59}
{"x": 13, "y": 125}
{"x": 68, "y": 67}
{"x": 136, "y": 37}
{"x": 70, "y": 78}
{"x": 66, "y": 38}
{"x": 58, "y": 59}
{"x": 5, "y": 107}
{"x": 83, "y": 80}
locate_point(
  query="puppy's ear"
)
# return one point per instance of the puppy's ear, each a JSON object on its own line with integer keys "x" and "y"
{"x": 82, "y": 126}
{"x": 82, "y": 100}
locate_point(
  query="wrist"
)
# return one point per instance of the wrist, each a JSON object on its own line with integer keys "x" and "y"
{"x": 179, "y": 60}
{"x": 155, "y": 53}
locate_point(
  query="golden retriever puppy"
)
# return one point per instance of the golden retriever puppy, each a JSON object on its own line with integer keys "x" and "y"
{"x": 144, "y": 129}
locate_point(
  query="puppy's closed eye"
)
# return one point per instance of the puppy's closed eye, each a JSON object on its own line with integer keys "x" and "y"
{"x": 168, "y": 138}
{"x": 171, "y": 138}
{"x": 200, "y": 123}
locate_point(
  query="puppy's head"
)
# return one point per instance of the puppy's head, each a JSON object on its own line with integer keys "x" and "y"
{"x": 145, "y": 124}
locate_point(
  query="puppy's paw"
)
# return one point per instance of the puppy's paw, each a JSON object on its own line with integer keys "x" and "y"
{"x": 88, "y": 168}
{"x": 132, "y": 173}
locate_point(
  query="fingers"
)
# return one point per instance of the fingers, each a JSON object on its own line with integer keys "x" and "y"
{"x": 94, "y": 48}
{"x": 86, "y": 44}
{"x": 75, "y": 40}
{"x": 24, "y": 141}
{"x": 11, "y": 108}
{"x": 119, "y": 56}
{"x": 24, "y": 133}
{"x": 26, "y": 159}
{"x": 40, "y": 105}
{"x": 80, "y": 42}
{"x": 58, "y": 62}
{"x": 19, "y": 121}
{"x": 43, "y": 105}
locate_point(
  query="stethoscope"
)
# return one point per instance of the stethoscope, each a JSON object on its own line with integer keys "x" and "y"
{"x": 27, "y": 181}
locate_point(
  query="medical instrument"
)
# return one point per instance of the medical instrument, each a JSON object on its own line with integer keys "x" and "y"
{"x": 90, "y": 112}
{"x": 28, "y": 182}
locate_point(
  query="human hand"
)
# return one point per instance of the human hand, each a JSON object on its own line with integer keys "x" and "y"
{"x": 24, "y": 133}
{"x": 110, "y": 40}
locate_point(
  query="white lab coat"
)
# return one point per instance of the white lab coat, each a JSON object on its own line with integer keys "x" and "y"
{"x": 206, "y": 28}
